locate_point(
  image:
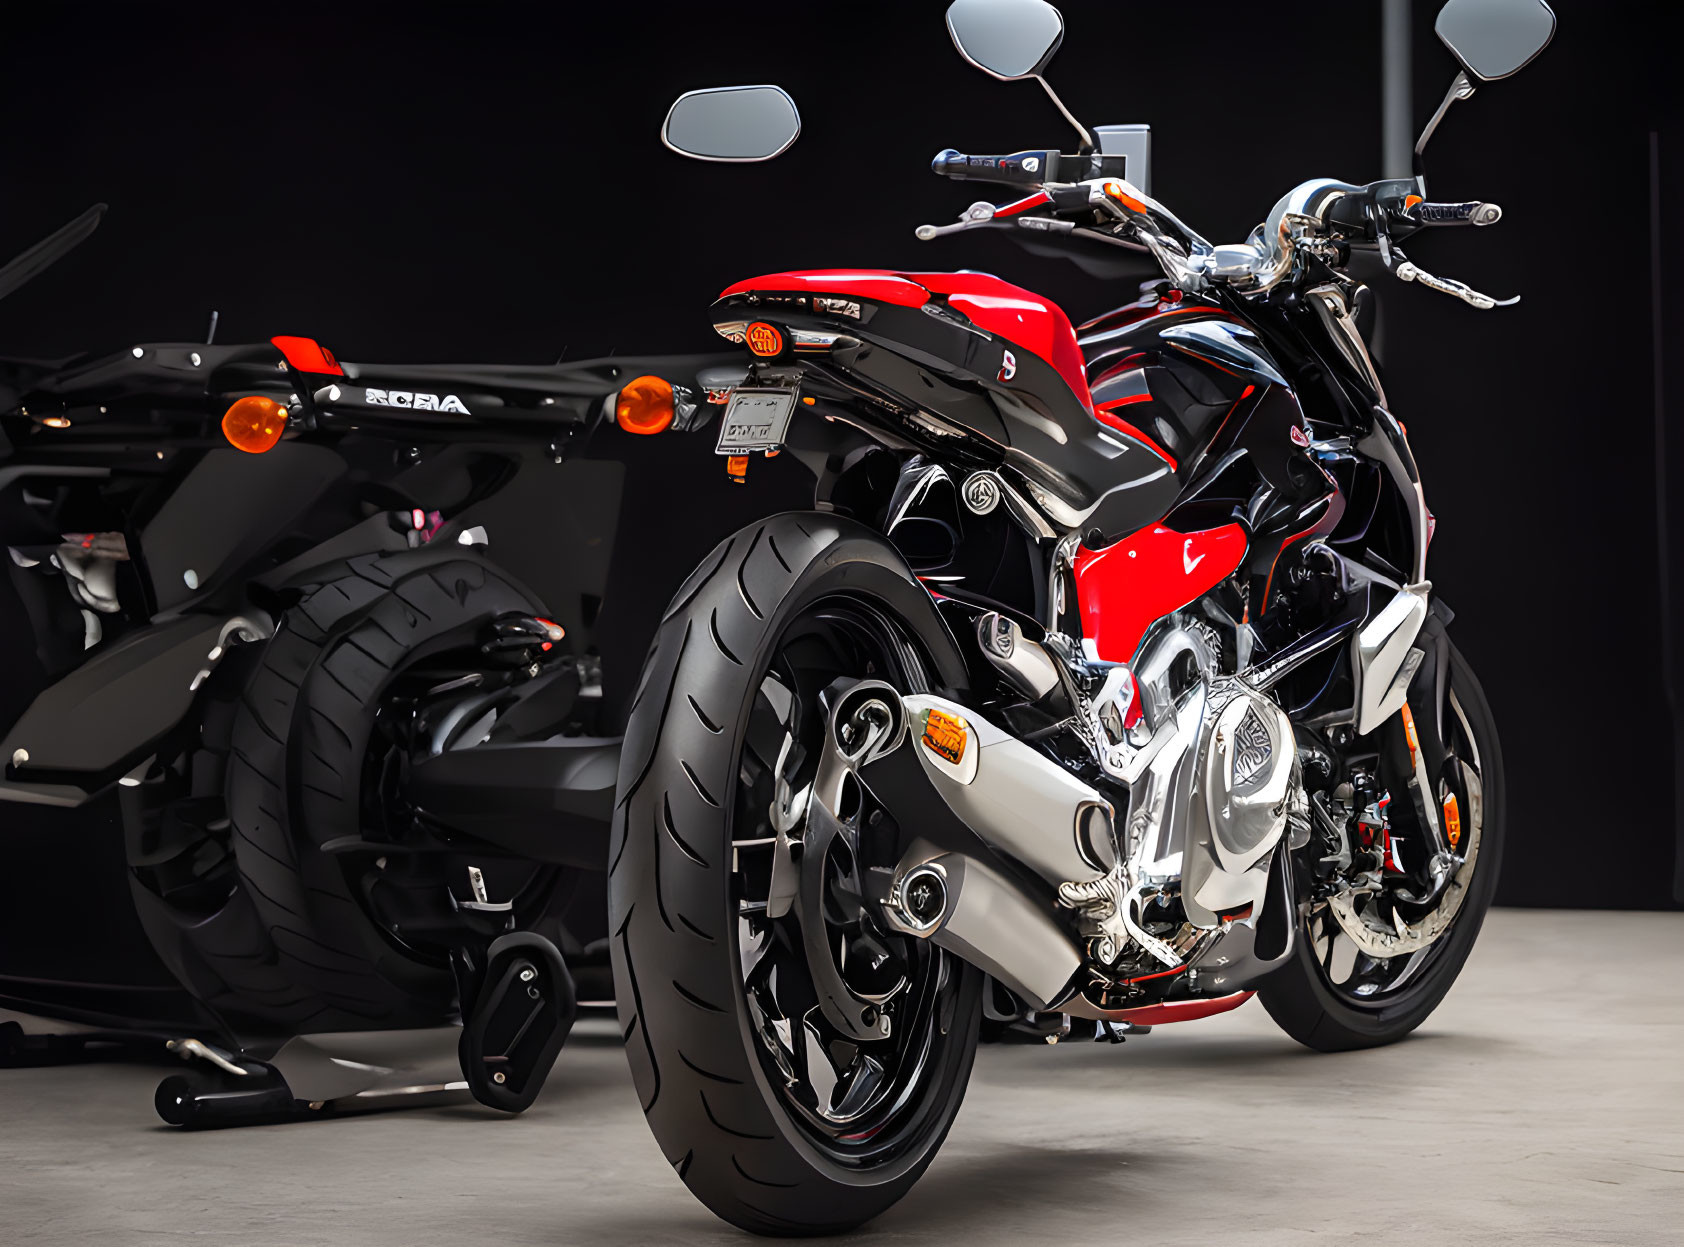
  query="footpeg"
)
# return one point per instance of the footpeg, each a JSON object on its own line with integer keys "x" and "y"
{"x": 520, "y": 1018}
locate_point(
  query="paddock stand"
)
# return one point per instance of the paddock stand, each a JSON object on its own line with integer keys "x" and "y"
{"x": 523, "y": 1006}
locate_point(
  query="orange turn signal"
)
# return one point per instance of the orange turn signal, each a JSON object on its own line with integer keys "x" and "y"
{"x": 644, "y": 405}
{"x": 254, "y": 424}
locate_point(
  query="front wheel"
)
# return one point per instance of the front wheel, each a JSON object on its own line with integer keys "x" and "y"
{"x": 775, "y": 1118}
{"x": 1334, "y": 993}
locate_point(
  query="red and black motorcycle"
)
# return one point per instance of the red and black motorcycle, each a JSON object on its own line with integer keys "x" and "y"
{"x": 1104, "y": 686}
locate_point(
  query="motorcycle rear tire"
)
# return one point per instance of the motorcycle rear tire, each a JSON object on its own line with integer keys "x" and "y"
{"x": 295, "y": 777}
{"x": 704, "y": 1089}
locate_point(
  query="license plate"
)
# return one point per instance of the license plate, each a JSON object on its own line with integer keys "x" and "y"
{"x": 755, "y": 420}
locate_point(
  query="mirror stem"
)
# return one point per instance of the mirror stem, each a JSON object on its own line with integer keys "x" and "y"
{"x": 1088, "y": 144}
{"x": 1460, "y": 89}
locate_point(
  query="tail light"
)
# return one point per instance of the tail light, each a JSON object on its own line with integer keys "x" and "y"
{"x": 308, "y": 355}
{"x": 645, "y": 405}
{"x": 254, "y": 424}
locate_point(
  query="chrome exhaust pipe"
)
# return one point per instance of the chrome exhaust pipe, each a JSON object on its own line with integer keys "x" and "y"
{"x": 1000, "y": 829}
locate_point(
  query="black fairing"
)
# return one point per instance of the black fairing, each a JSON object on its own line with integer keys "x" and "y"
{"x": 1188, "y": 377}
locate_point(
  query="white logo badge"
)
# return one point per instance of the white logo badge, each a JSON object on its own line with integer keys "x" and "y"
{"x": 1188, "y": 562}
{"x": 415, "y": 401}
{"x": 1008, "y": 366}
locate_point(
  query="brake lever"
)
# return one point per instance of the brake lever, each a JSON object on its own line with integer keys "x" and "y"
{"x": 1408, "y": 270}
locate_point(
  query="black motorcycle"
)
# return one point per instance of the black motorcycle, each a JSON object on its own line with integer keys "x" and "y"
{"x": 333, "y": 636}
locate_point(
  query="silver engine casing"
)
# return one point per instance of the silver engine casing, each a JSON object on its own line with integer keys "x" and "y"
{"x": 1248, "y": 763}
{"x": 1212, "y": 804}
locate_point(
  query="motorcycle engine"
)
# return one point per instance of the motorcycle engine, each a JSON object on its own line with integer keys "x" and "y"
{"x": 1214, "y": 789}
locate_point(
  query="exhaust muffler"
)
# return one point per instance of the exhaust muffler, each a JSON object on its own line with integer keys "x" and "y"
{"x": 999, "y": 830}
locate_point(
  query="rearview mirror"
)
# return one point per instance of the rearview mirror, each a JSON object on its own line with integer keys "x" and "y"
{"x": 732, "y": 123}
{"x": 1007, "y": 38}
{"x": 1495, "y": 38}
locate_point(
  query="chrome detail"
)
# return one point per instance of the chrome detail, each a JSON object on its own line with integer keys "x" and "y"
{"x": 1211, "y": 783}
{"x": 1250, "y": 769}
{"x": 1024, "y": 664}
{"x": 1018, "y": 800}
{"x": 1384, "y": 658}
{"x": 1460, "y": 89}
{"x": 991, "y": 922}
{"x": 1061, "y": 577}
{"x": 1027, "y": 516}
{"x": 919, "y": 898}
{"x": 1252, "y": 747}
{"x": 979, "y": 213}
{"x": 219, "y": 1057}
{"x": 1335, "y": 315}
{"x": 836, "y": 307}
{"x": 1408, "y": 270}
{"x": 819, "y": 339}
{"x": 981, "y": 492}
{"x": 1264, "y": 259}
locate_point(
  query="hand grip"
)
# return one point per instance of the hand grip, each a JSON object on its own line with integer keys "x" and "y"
{"x": 1472, "y": 212}
{"x": 1017, "y": 169}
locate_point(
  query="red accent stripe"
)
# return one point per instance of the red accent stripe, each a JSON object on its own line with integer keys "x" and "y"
{"x": 1180, "y": 1010}
{"x": 1159, "y": 975}
{"x": 1022, "y": 205}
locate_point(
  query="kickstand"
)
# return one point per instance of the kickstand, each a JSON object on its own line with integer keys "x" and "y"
{"x": 1117, "y": 1032}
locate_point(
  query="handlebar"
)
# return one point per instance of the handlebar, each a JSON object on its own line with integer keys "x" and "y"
{"x": 1318, "y": 219}
{"x": 1018, "y": 169}
{"x": 1030, "y": 168}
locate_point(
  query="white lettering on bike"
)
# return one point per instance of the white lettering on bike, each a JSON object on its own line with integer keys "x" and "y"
{"x": 415, "y": 400}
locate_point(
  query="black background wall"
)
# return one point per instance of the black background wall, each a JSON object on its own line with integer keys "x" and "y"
{"x": 485, "y": 183}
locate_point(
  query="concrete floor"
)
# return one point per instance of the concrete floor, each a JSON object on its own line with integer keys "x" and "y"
{"x": 1543, "y": 1103}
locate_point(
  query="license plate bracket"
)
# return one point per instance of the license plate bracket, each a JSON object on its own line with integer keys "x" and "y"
{"x": 755, "y": 420}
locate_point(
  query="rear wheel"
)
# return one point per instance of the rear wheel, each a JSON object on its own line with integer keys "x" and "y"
{"x": 1348, "y": 984}
{"x": 778, "y": 1117}
{"x": 318, "y": 751}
